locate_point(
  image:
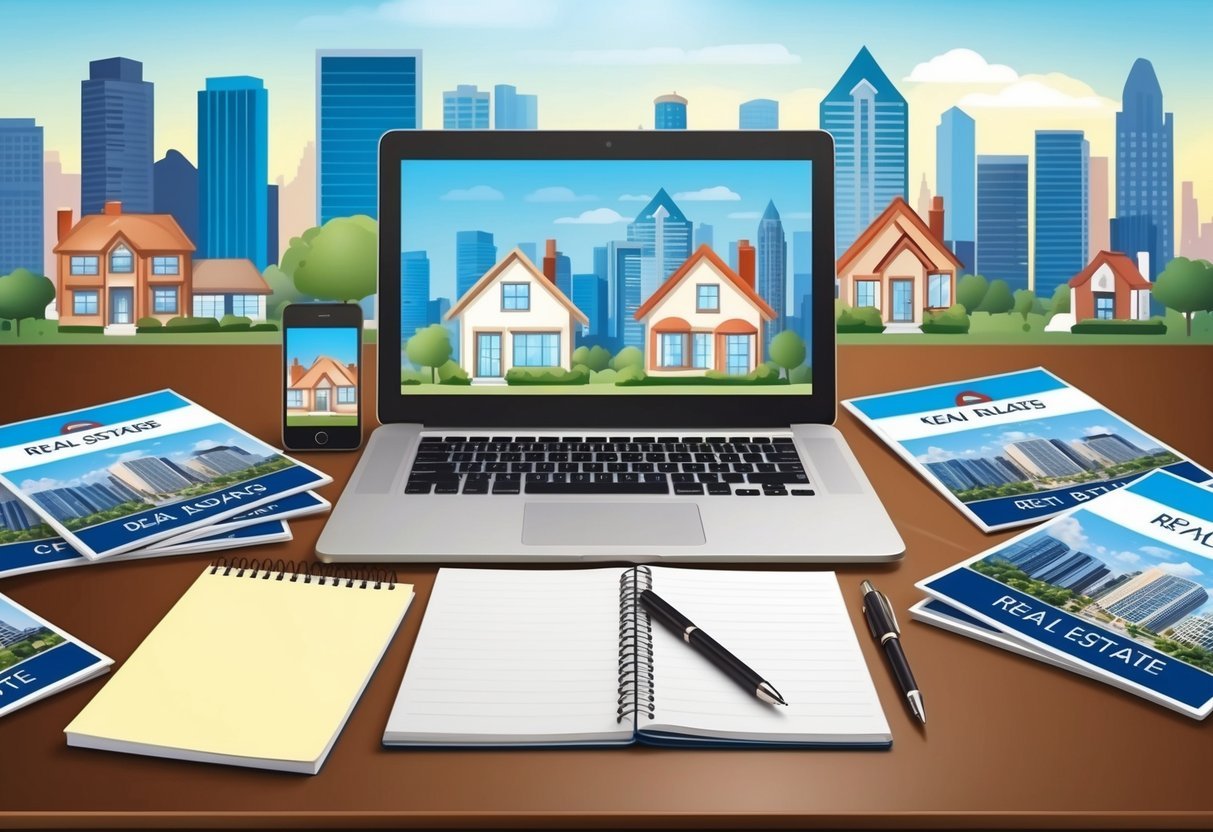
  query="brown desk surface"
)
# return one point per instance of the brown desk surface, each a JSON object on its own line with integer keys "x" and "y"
{"x": 1011, "y": 742}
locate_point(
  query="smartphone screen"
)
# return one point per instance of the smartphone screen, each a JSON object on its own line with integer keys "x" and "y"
{"x": 322, "y": 387}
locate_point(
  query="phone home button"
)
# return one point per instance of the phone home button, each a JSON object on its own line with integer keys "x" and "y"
{"x": 321, "y": 437}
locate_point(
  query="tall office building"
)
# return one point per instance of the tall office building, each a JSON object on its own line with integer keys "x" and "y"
{"x": 1154, "y": 599}
{"x": 625, "y": 265}
{"x": 666, "y": 235}
{"x": 1061, "y": 208}
{"x": 1189, "y": 234}
{"x": 475, "y": 254}
{"x": 1196, "y": 630}
{"x": 869, "y": 120}
{"x": 1039, "y": 458}
{"x": 758, "y": 114}
{"x": 1034, "y": 553}
{"x": 21, "y": 196}
{"x": 1113, "y": 447}
{"x": 1002, "y": 219}
{"x": 175, "y": 191}
{"x": 512, "y": 111}
{"x": 1077, "y": 572}
{"x": 148, "y": 475}
{"x": 271, "y": 225}
{"x": 923, "y": 206}
{"x": 1072, "y": 453}
{"x": 1145, "y": 171}
{"x": 123, "y": 490}
{"x": 802, "y": 282}
{"x": 233, "y": 169}
{"x": 590, "y": 296}
{"x": 10, "y": 635}
{"x": 116, "y": 137}
{"x": 14, "y": 516}
{"x": 223, "y": 459}
{"x": 297, "y": 198}
{"x": 59, "y": 191}
{"x": 704, "y": 235}
{"x": 772, "y": 270}
{"x": 955, "y": 181}
{"x": 414, "y": 293}
{"x": 465, "y": 108}
{"x": 670, "y": 112}
{"x": 1099, "y": 231}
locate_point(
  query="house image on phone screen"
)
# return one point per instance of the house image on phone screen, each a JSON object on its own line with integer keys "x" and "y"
{"x": 327, "y": 388}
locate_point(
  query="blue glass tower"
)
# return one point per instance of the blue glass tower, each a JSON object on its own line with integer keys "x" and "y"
{"x": 233, "y": 169}
{"x": 271, "y": 224}
{"x": 475, "y": 254}
{"x": 802, "y": 282}
{"x": 670, "y": 112}
{"x": 869, "y": 121}
{"x": 512, "y": 111}
{"x": 1002, "y": 219}
{"x": 666, "y": 235}
{"x": 21, "y": 195}
{"x": 590, "y": 296}
{"x": 624, "y": 266}
{"x": 116, "y": 129}
{"x": 175, "y": 185}
{"x": 1062, "y": 202}
{"x": 414, "y": 293}
{"x": 955, "y": 181}
{"x": 772, "y": 277}
{"x": 758, "y": 114}
{"x": 1145, "y": 171}
{"x": 465, "y": 108}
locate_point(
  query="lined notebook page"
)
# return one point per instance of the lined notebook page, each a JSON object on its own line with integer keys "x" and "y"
{"x": 793, "y": 629}
{"x": 505, "y": 656}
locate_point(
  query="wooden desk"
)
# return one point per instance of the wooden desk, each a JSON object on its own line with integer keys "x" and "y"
{"x": 1010, "y": 743}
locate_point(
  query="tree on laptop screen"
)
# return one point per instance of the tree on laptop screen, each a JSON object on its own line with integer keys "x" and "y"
{"x": 605, "y": 277}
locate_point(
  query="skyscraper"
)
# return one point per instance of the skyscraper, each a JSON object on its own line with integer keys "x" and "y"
{"x": 1154, "y": 599}
{"x": 1196, "y": 630}
{"x": 1039, "y": 458}
{"x": 116, "y": 137}
{"x": 704, "y": 235}
{"x": 175, "y": 191}
{"x": 869, "y": 121}
{"x": 1061, "y": 208}
{"x": 21, "y": 195}
{"x": 624, "y": 268}
{"x": 59, "y": 191}
{"x": 590, "y": 296}
{"x": 924, "y": 200}
{"x": 666, "y": 235}
{"x": 670, "y": 112}
{"x": 1113, "y": 447}
{"x": 233, "y": 169}
{"x": 148, "y": 475}
{"x": 271, "y": 225}
{"x": 758, "y": 114}
{"x": 802, "y": 282}
{"x": 1189, "y": 235}
{"x": 772, "y": 270}
{"x": 15, "y": 516}
{"x": 1002, "y": 219}
{"x": 955, "y": 181}
{"x": 414, "y": 293}
{"x": 1145, "y": 171}
{"x": 1099, "y": 234}
{"x": 475, "y": 254}
{"x": 512, "y": 111}
{"x": 224, "y": 459}
{"x": 465, "y": 108}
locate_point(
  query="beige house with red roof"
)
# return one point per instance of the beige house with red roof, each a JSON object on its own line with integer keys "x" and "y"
{"x": 514, "y": 316}
{"x": 327, "y": 387}
{"x": 705, "y": 316}
{"x": 229, "y": 286}
{"x": 1110, "y": 288}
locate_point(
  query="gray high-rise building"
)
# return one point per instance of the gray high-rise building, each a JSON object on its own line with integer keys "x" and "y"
{"x": 11, "y": 635}
{"x": 772, "y": 270}
{"x": 116, "y": 137}
{"x": 1196, "y": 630}
{"x": 226, "y": 459}
{"x": 14, "y": 516}
{"x": 1113, "y": 446}
{"x": 21, "y": 196}
{"x": 1041, "y": 459}
{"x": 666, "y": 233}
{"x": 149, "y": 475}
{"x": 1145, "y": 171}
{"x": 512, "y": 111}
{"x": 1155, "y": 599}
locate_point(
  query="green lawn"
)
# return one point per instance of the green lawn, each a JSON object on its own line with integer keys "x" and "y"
{"x": 985, "y": 328}
{"x": 320, "y": 421}
{"x": 46, "y": 332}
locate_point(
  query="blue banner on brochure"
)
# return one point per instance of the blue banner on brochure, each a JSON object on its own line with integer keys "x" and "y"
{"x": 31, "y": 677}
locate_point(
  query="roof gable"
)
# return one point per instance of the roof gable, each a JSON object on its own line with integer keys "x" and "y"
{"x": 1121, "y": 265}
{"x": 705, "y": 252}
{"x": 338, "y": 374}
{"x": 142, "y": 232}
{"x": 903, "y": 217}
{"x": 490, "y": 277}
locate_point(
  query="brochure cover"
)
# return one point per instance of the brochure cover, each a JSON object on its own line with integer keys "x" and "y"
{"x": 1119, "y": 587}
{"x": 270, "y": 531}
{"x": 38, "y": 659}
{"x": 1014, "y": 449}
{"x": 296, "y": 505}
{"x": 124, "y": 475}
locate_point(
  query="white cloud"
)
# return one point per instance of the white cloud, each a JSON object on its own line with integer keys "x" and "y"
{"x": 129, "y": 455}
{"x": 596, "y": 216}
{"x": 1127, "y": 557}
{"x": 558, "y": 193}
{"x": 1182, "y": 570}
{"x": 1158, "y": 552}
{"x": 1052, "y": 91}
{"x": 961, "y": 66}
{"x": 716, "y": 193}
{"x": 448, "y": 14}
{"x": 1013, "y": 436}
{"x": 204, "y": 444}
{"x": 29, "y": 486}
{"x": 935, "y": 454}
{"x": 730, "y": 54}
{"x": 1094, "y": 429}
{"x": 476, "y": 193}
{"x": 1069, "y": 531}
{"x": 634, "y": 197}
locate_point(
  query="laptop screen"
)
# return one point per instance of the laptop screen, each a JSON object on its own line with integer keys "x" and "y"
{"x": 611, "y": 277}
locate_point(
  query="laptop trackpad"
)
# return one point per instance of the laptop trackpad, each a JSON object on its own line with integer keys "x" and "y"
{"x": 612, "y": 524}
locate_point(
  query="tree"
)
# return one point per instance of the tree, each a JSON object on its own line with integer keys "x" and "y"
{"x": 787, "y": 351}
{"x": 1025, "y": 304}
{"x": 594, "y": 358}
{"x": 429, "y": 347}
{"x": 342, "y": 260}
{"x": 283, "y": 291}
{"x": 296, "y": 251}
{"x": 970, "y": 291}
{"x": 1060, "y": 303}
{"x": 24, "y": 294}
{"x": 628, "y": 357}
{"x": 1187, "y": 287}
{"x": 998, "y": 298}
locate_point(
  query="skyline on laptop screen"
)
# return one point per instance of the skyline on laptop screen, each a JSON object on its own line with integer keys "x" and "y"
{"x": 605, "y": 277}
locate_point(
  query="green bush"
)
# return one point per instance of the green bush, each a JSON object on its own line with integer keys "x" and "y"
{"x": 451, "y": 373}
{"x": 546, "y": 375}
{"x": 950, "y": 321}
{"x": 405, "y": 381}
{"x": 766, "y": 374}
{"x": 861, "y": 319}
{"x": 234, "y": 321}
{"x": 607, "y": 376}
{"x": 264, "y": 327}
{"x": 5, "y": 326}
{"x": 186, "y": 324}
{"x": 628, "y": 357}
{"x": 1154, "y": 326}
{"x": 80, "y": 330}
{"x": 148, "y": 323}
{"x": 801, "y": 375}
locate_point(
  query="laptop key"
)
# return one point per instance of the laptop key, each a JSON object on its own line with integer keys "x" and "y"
{"x": 651, "y": 478}
{"x": 598, "y": 488}
{"x": 719, "y": 488}
{"x": 803, "y": 492}
{"x": 679, "y": 479}
{"x": 418, "y": 487}
{"x": 780, "y": 478}
{"x": 447, "y": 487}
{"x": 747, "y": 492}
{"x": 476, "y": 487}
{"x": 688, "y": 488}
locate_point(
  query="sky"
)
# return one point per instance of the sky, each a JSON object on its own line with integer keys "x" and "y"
{"x": 308, "y": 343}
{"x": 15, "y": 617}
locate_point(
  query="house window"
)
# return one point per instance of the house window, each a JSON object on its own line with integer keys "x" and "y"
{"x": 537, "y": 349}
{"x": 85, "y": 265}
{"x": 84, "y": 303}
{"x": 121, "y": 261}
{"x": 737, "y": 354}
{"x": 247, "y": 305}
{"x": 515, "y": 297}
{"x": 707, "y": 297}
{"x": 166, "y": 265}
{"x": 939, "y": 291}
{"x": 866, "y": 292}
{"x": 1105, "y": 306}
{"x": 672, "y": 349}
{"x": 294, "y": 398}
{"x": 701, "y": 350}
{"x": 208, "y": 306}
{"x": 164, "y": 301}
{"x": 345, "y": 395}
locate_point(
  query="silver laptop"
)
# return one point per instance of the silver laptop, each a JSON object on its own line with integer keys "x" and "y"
{"x": 607, "y": 347}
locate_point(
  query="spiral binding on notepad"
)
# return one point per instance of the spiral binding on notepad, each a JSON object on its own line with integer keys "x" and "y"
{"x": 635, "y": 647}
{"x": 307, "y": 573}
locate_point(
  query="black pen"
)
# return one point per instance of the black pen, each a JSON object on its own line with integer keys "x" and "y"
{"x": 878, "y": 612}
{"x": 710, "y": 648}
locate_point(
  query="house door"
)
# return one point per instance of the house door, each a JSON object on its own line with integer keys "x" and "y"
{"x": 902, "y": 300}
{"x": 122, "y": 305}
{"x": 488, "y": 354}
{"x": 322, "y": 399}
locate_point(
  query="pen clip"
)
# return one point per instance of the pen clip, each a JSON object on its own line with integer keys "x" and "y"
{"x": 888, "y": 608}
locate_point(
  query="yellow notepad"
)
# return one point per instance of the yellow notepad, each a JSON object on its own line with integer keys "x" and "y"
{"x": 253, "y": 667}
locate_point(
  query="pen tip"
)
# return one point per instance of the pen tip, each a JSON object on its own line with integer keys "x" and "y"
{"x": 916, "y": 706}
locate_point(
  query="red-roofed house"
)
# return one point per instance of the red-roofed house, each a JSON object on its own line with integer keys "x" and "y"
{"x": 705, "y": 316}
{"x": 1110, "y": 288}
{"x": 326, "y": 388}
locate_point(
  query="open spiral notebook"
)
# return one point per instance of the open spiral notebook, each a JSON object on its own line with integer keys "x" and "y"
{"x": 568, "y": 657}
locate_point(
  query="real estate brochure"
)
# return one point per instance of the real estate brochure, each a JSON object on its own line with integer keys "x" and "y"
{"x": 124, "y": 475}
{"x": 1118, "y": 590}
{"x": 1016, "y": 448}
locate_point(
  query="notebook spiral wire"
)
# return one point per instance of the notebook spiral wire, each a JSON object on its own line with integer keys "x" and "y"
{"x": 635, "y": 647}
{"x": 308, "y": 573}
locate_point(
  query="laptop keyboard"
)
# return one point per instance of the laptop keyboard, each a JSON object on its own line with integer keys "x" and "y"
{"x": 748, "y": 466}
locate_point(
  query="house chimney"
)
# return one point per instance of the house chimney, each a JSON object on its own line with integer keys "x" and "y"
{"x": 297, "y": 371}
{"x": 746, "y": 254}
{"x": 936, "y": 217}
{"x": 549, "y": 262}
{"x": 353, "y": 368}
{"x": 113, "y": 208}
{"x": 64, "y": 216}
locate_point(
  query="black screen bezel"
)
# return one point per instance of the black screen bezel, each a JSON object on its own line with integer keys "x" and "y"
{"x": 734, "y": 409}
{"x": 322, "y": 316}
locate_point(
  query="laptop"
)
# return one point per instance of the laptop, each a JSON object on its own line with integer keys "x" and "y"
{"x": 607, "y": 346}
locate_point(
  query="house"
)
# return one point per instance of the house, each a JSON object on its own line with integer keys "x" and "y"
{"x": 229, "y": 286}
{"x": 900, "y": 265}
{"x": 328, "y": 387}
{"x": 1111, "y": 287}
{"x": 514, "y": 316}
{"x": 115, "y": 268}
{"x": 705, "y": 316}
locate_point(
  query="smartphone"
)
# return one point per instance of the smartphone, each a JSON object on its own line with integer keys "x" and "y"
{"x": 322, "y": 371}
